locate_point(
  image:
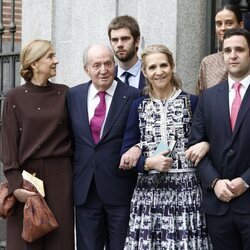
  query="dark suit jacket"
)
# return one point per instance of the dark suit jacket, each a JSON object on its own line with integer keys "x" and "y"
{"x": 141, "y": 80}
{"x": 101, "y": 160}
{"x": 229, "y": 155}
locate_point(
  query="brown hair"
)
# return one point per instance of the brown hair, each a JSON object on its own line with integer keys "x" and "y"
{"x": 30, "y": 53}
{"x": 159, "y": 48}
{"x": 125, "y": 22}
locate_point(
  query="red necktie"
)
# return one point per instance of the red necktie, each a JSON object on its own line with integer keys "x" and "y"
{"x": 236, "y": 104}
{"x": 98, "y": 118}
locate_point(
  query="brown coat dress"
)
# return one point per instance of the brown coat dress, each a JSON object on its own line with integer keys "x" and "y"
{"x": 35, "y": 138}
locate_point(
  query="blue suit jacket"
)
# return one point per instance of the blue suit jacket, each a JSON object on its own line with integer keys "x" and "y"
{"x": 141, "y": 80}
{"x": 101, "y": 160}
{"x": 229, "y": 155}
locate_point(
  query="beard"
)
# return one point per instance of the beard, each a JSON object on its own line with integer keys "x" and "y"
{"x": 124, "y": 58}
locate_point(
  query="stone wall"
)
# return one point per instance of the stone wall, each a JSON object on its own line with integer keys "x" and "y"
{"x": 74, "y": 24}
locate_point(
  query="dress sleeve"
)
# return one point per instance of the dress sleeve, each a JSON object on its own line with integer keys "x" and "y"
{"x": 200, "y": 87}
{"x": 194, "y": 100}
{"x": 132, "y": 133}
{"x": 205, "y": 169}
{"x": 9, "y": 146}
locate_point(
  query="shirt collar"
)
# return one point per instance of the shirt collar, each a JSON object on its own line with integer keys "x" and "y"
{"x": 133, "y": 70}
{"x": 110, "y": 91}
{"x": 245, "y": 82}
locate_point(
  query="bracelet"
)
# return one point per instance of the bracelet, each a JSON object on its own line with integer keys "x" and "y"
{"x": 146, "y": 168}
{"x": 138, "y": 145}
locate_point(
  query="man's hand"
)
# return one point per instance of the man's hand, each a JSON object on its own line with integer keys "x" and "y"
{"x": 222, "y": 190}
{"x": 237, "y": 186}
{"x": 130, "y": 158}
{"x": 196, "y": 152}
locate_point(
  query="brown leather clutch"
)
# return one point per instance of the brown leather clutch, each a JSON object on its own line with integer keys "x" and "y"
{"x": 7, "y": 201}
{"x": 38, "y": 219}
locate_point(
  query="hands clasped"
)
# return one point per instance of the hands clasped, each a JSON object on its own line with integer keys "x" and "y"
{"x": 226, "y": 190}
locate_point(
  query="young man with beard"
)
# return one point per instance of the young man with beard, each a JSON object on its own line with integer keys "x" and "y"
{"x": 124, "y": 36}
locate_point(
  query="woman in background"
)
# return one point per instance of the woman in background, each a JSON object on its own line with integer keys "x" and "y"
{"x": 212, "y": 68}
{"x": 35, "y": 138}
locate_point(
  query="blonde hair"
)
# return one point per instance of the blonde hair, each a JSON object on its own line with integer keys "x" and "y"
{"x": 159, "y": 48}
{"x": 30, "y": 53}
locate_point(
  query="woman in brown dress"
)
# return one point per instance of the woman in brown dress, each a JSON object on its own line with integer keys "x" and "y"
{"x": 35, "y": 138}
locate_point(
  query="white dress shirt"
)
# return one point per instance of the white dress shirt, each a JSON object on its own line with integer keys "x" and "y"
{"x": 243, "y": 88}
{"x": 135, "y": 72}
{"x": 94, "y": 99}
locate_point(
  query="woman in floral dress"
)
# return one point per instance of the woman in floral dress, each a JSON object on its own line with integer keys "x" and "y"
{"x": 166, "y": 204}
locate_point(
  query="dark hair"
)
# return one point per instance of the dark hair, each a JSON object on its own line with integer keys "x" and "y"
{"x": 125, "y": 22}
{"x": 234, "y": 9}
{"x": 237, "y": 32}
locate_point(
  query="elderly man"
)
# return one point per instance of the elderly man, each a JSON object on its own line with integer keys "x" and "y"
{"x": 98, "y": 112}
{"x": 222, "y": 117}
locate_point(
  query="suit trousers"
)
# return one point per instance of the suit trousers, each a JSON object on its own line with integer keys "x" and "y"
{"x": 230, "y": 231}
{"x": 99, "y": 224}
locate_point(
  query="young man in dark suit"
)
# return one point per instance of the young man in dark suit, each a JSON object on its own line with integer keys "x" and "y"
{"x": 124, "y": 35}
{"x": 222, "y": 117}
{"x": 98, "y": 112}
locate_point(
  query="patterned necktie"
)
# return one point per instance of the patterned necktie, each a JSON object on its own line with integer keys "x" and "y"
{"x": 98, "y": 118}
{"x": 236, "y": 104}
{"x": 127, "y": 75}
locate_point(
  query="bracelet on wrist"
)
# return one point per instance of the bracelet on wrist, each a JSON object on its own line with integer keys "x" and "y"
{"x": 146, "y": 168}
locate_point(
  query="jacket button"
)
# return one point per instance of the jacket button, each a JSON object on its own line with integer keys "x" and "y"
{"x": 230, "y": 152}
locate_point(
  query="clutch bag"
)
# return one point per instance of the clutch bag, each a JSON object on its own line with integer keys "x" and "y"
{"x": 38, "y": 183}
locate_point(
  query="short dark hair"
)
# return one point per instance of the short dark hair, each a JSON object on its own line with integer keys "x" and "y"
{"x": 125, "y": 22}
{"x": 237, "y": 32}
{"x": 237, "y": 12}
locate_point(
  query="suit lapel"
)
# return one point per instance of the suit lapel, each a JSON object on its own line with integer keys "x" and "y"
{"x": 119, "y": 100}
{"x": 223, "y": 105}
{"x": 85, "y": 119}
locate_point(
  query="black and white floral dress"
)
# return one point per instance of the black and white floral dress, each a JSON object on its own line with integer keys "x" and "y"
{"x": 166, "y": 207}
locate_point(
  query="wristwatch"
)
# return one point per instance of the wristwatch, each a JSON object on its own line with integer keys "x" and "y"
{"x": 211, "y": 186}
{"x": 245, "y": 184}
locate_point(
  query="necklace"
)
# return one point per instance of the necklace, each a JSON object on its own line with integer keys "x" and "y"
{"x": 173, "y": 92}
{"x": 164, "y": 98}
